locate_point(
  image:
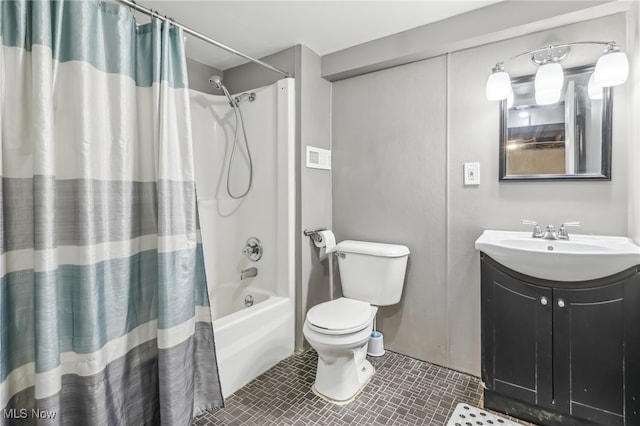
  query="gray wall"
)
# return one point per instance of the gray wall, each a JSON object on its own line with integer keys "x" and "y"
{"x": 314, "y": 129}
{"x": 389, "y": 185}
{"x": 250, "y": 76}
{"x": 199, "y": 74}
{"x": 242, "y": 77}
{"x": 400, "y": 138}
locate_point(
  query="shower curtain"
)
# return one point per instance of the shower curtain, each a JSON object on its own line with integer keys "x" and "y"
{"x": 104, "y": 313}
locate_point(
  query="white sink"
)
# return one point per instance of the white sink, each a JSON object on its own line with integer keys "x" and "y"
{"x": 581, "y": 258}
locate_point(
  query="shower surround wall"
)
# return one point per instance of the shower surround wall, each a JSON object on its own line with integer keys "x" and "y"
{"x": 313, "y": 186}
{"x": 400, "y": 138}
{"x": 249, "y": 340}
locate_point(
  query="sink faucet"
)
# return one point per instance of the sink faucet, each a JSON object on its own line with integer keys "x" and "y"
{"x": 550, "y": 233}
{"x": 248, "y": 273}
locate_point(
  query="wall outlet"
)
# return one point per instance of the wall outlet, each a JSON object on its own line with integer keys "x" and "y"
{"x": 472, "y": 173}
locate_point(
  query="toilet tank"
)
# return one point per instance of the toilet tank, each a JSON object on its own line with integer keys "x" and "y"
{"x": 372, "y": 272}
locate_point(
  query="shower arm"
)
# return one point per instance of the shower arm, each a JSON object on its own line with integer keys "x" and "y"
{"x": 147, "y": 11}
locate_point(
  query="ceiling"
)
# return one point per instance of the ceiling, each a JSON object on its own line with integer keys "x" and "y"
{"x": 260, "y": 28}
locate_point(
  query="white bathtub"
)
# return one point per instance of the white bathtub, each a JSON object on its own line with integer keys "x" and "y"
{"x": 230, "y": 298}
{"x": 249, "y": 340}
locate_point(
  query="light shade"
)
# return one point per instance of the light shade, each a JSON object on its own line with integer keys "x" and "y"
{"x": 594, "y": 90}
{"x": 612, "y": 69}
{"x": 547, "y": 97}
{"x": 549, "y": 77}
{"x": 548, "y": 83}
{"x": 498, "y": 86}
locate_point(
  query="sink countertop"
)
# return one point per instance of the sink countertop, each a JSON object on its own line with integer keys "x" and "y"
{"x": 580, "y": 258}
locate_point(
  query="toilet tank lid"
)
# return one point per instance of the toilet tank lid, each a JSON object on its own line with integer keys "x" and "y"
{"x": 372, "y": 249}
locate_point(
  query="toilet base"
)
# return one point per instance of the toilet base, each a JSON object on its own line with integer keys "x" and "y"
{"x": 346, "y": 401}
{"x": 341, "y": 376}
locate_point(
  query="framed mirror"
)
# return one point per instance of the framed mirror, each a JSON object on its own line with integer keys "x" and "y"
{"x": 567, "y": 140}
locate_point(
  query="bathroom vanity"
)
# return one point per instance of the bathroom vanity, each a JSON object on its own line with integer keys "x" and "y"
{"x": 560, "y": 352}
{"x": 557, "y": 353}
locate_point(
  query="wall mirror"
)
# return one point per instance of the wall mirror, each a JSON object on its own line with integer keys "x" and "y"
{"x": 570, "y": 139}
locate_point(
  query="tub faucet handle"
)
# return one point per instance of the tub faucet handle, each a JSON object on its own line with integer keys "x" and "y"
{"x": 253, "y": 249}
{"x": 249, "y": 250}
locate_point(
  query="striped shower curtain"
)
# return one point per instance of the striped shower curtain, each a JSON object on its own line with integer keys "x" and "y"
{"x": 104, "y": 315}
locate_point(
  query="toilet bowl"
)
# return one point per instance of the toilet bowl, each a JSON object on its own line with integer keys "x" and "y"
{"x": 372, "y": 274}
{"x": 339, "y": 331}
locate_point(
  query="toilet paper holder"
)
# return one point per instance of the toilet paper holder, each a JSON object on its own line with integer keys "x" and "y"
{"x": 315, "y": 236}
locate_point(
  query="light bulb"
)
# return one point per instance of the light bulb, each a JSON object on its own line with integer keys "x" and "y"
{"x": 498, "y": 85}
{"x": 593, "y": 89}
{"x": 612, "y": 69}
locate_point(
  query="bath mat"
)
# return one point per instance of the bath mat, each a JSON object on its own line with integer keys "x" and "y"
{"x": 468, "y": 415}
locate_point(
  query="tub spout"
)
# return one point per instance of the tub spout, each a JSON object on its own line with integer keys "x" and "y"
{"x": 248, "y": 273}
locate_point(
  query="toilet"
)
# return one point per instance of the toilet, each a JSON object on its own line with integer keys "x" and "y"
{"x": 372, "y": 275}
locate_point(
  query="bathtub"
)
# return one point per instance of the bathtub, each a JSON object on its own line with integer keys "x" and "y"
{"x": 231, "y": 298}
{"x": 249, "y": 340}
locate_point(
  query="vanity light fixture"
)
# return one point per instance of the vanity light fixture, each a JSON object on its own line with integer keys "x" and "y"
{"x": 611, "y": 69}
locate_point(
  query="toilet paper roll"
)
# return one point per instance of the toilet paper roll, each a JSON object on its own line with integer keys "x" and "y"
{"x": 328, "y": 241}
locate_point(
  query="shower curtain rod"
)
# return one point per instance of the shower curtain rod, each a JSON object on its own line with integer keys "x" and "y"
{"x": 201, "y": 36}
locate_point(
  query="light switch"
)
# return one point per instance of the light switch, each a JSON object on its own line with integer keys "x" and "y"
{"x": 472, "y": 173}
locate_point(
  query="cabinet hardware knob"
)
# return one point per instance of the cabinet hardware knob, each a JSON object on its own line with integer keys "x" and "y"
{"x": 561, "y": 303}
{"x": 544, "y": 301}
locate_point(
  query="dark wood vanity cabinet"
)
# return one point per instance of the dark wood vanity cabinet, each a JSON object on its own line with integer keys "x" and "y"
{"x": 559, "y": 353}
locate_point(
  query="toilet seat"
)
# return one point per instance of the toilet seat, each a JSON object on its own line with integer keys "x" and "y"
{"x": 340, "y": 316}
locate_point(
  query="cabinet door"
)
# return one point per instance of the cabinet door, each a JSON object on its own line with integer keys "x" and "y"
{"x": 516, "y": 337}
{"x": 589, "y": 353}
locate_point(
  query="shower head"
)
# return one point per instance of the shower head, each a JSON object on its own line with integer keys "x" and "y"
{"x": 216, "y": 81}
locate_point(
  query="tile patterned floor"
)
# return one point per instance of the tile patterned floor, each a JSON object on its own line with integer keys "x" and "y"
{"x": 404, "y": 391}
